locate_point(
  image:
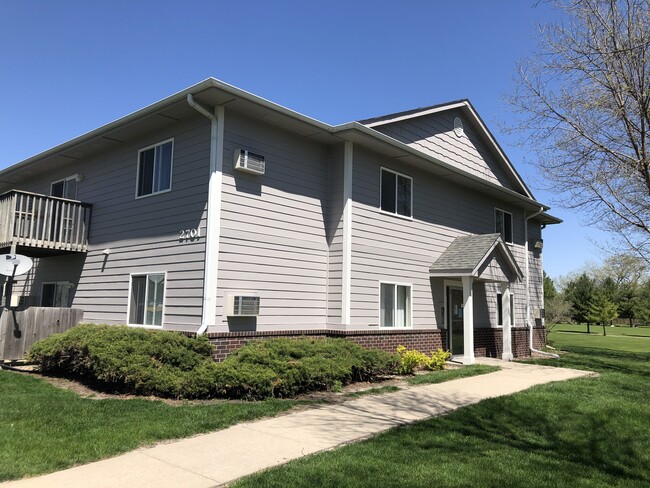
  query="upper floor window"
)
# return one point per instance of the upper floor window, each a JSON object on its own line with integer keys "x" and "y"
{"x": 503, "y": 224}
{"x": 65, "y": 188}
{"x": 396, "y": 193}
{"x": 155, "y": 169}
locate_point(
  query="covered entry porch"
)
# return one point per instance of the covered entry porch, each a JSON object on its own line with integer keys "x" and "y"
{"x": 468, "y": 261}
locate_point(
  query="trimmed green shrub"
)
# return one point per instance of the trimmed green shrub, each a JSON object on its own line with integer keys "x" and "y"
{"x": 140, "y": 361}
{"x": 287, "y": 367}
{"x": 169, "y": 364}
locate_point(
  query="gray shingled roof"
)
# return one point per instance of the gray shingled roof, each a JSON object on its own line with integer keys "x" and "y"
{"x": 466, "y": 253}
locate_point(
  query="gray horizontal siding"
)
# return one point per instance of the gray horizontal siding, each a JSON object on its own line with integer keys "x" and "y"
{"x": 274, "y": 239}
{"x": 142, "y": 234}
{"x": 434, "y": 134}
{"x": 388, "y": 248}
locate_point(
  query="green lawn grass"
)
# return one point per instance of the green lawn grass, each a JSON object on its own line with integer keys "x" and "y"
{"x": 451, "y": 374}
{"x": 618, "y": 338}
{"x": 44, "y": 428}
{"x": 589, "y": 432}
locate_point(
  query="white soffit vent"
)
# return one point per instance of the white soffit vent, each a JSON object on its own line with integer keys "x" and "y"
{"x": 243, "y": 306}
{"x": 458, "y": 127}
{"x": 249, "y": 162}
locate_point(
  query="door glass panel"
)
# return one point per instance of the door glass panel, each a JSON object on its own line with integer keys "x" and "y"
{"x": 456, "y": 321}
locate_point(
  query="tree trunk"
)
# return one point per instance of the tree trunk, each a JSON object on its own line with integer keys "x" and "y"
{"x": 604, "y": 329}
{"x": 588, "y": 329}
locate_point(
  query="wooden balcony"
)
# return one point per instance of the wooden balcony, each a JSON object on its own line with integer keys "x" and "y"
{"x": 43, "y": 224}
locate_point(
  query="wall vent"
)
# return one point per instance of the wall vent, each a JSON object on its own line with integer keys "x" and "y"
{"x": 458, "y": 127}
{"x": 249, "y": 162}
{"x": 243, "y": 306}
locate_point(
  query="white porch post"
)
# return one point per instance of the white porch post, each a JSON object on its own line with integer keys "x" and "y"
{"x": 505, "y": 312}
{"x": 468, "y": 320}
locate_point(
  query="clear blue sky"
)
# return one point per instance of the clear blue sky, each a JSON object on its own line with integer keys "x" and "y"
{"x": 68, "y": 67}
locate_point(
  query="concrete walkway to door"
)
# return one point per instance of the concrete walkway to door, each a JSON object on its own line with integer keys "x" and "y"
{"x": 211, "y": 460}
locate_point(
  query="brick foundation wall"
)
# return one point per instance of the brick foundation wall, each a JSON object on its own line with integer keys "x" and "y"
{"x": 423, "y": 340}
{"x": 520, "y": 340}
{"x": 487, "y": 342}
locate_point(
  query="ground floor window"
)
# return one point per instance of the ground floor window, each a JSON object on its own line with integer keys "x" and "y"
{"x": 500, "y": 309}
{"x": 56, "y": 294}
{"x": 395, "y": 305}
{"x": 146, "y": 301}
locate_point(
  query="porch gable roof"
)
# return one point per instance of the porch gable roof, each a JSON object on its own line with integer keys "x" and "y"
{"x": 466, "y": 255}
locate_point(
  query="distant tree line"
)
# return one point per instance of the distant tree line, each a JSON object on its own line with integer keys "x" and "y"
{"x": 620, "y": 288}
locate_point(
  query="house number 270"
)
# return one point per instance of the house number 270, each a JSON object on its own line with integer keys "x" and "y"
{"x": 190, "y": 233}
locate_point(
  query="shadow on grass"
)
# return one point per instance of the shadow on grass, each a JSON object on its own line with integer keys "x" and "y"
{"x": 603, "y": 360}
{"x": 584, "y": 432}
{"x": 581, "y": 332}
{"x": 583, "y": 440}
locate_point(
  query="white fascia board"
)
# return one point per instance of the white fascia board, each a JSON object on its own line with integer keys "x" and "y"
{"x": 238, "y": 92}
{"x": 469, "y": 110}
{"x": 444, "y": 274}
{"x": 506, "y": 253}
{"x": 441, "y": 108}
{"x": 334, "y": 130}
{"x": 495, "y": 145}
{"x": 149, "y": 109}
{"x": 181, "y": 95}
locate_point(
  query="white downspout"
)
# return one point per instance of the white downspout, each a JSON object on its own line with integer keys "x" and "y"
{"x": 529, "y": 323}
{"x": 213, "y": 217}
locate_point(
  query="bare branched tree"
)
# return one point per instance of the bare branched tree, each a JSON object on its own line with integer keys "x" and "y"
{"x": 584, "y": 99}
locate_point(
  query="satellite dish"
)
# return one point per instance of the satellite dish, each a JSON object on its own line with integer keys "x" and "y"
{"x": 14, "y": 264}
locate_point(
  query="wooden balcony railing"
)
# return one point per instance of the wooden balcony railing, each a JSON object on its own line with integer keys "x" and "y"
{"x": 40, "y": 221}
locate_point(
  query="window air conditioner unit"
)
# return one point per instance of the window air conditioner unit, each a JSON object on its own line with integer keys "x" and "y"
{"x": 249, "y": 162}
{"x": 243, "y": 306}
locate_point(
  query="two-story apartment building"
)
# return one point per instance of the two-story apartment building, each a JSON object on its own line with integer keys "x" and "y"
{"x": 217, "y": 211}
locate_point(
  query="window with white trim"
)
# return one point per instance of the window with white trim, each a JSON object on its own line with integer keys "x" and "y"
{"x": 500, "y": 309}
{"x": 395, "y": 305}
{"x": 155, "y": 169}
{"x": 503, "y": 224}
{"x": 56, "y": 294}
{"x": 147, "y": 299}
{"x": 65, "y": 188}
{"x": 396, "y": 193}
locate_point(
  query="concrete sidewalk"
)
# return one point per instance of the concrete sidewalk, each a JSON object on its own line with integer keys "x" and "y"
{"x": 220, "y": 457}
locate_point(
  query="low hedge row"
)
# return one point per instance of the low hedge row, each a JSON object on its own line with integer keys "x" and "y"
{"x": 169, "y": 364}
